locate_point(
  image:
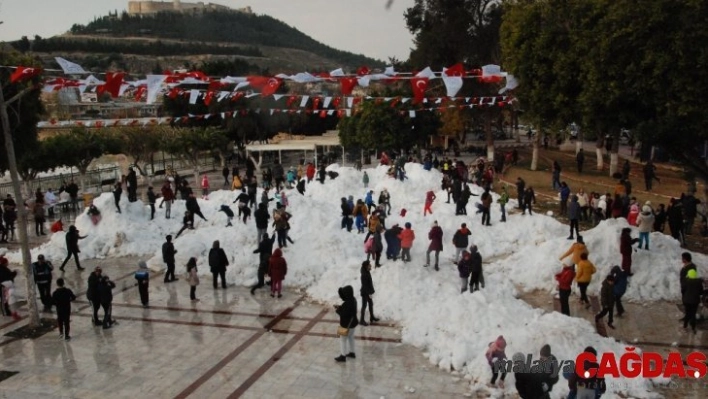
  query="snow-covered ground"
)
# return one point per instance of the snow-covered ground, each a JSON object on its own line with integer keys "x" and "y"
{"x": 453, "y": 330}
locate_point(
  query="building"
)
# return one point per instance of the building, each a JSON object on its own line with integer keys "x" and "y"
{"x": 153, "y": 7}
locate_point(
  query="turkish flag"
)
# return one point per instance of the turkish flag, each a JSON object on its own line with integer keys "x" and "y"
{"x": 24, "y": 73}
{"x": 347, "y": 85}
{"x": 271, "y": 87}
{"x": 419, "y": 86}
{"x": 364, "y": 70}
{"x": 139, "y": 92}
{"x": 209, "y": 96}
{"x": 455, "y": 70}
{"x": 257, "y": 82}
{"x": 113, "y": 83}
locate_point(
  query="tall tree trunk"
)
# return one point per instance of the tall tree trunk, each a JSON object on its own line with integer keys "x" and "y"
{"x": 599, "y": 146}
{"x": 256, "y": 164}
{"x": 534, "y": 153}
{"x": 490, "y": 138}
{"x": 21, "y": 212}
{"x": 515, "y": 123}
{"x": 614, "y": 153}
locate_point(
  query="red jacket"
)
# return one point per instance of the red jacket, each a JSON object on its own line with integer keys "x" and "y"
{"x": 565, "y": 278}
{"x": 429, "y": 197}
{"x": 167, "y": 193}
{"x": 407, "y": 236}
{"x": 277, "y": 266}
{"x": 310, "y": 171}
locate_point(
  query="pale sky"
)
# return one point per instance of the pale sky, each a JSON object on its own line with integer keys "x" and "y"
{"x": 359, "y": 26}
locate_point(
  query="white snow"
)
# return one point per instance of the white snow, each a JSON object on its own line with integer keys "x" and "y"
{"x": 451, "y": 329}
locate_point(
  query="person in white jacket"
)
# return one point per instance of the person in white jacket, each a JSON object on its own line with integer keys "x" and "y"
{"x": 645, "y": 224}
{"x": 50, "y": 199}
{"x": 584, "y": 204}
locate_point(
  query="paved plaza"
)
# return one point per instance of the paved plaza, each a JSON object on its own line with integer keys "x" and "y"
{"x": 229, "y": 344}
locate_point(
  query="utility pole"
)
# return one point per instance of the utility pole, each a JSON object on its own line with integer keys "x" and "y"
{"x": 22, "y": 212}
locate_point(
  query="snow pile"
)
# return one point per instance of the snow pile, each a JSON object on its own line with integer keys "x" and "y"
{"x": 454, "y": 330}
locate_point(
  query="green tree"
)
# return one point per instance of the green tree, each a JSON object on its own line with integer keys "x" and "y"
{"x": 31, "y": 163}
{"x": 80, "y": 147}
{"x": 380, "y": 126}
{"x": 141, "y": 144}
{"x": 191, "y": 144}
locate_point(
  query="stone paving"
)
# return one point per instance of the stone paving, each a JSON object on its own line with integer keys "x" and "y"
{"x": 230, "y": 344}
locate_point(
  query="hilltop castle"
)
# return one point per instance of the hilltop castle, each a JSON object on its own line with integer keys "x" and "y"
{"x": 152, "y": 7}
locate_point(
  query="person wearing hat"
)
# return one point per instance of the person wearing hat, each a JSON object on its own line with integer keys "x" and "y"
{"x": 691, "y": 298}
{"x": 143, "y": 277}
{"x": 495, "y": 353}
{"x": 42, "y": 271}
{"x": 550, "y": 375}
{"x": 645, "y": 224}
{"x": 607, "y": 300}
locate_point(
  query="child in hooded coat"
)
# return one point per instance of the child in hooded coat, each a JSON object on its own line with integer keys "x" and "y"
{"x": 277, "y": 269}
{"x": 496, "y": 353}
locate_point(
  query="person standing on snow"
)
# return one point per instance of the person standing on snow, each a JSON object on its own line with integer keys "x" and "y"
{"x": 152, "y": 198}
{"x": 187, "y": 223}
{"x": 463, "y": 268}
{"x": 385, "y": 201}
{"x": 407, "y": 236}
{"x": 494, "y": 354}
{"x": 607, "y": 300}
{"x": 229, "y": 214}
{"x": 367, "y": 291}
{"x": 205, "y": 187}
{"x": 193, "y": 206}
{"x": 528, "y": 200}
{"x": 486, "y": 199}
{"x": 168, "y": 196}
{"x": 475, "y": 269}
{"x": 365, "y": 180}
{"x": 369, "y": 200}
{"x": 262, "y": 217}
{"x": 360, "y": 214}
{"x": 565, "y": 281}
{"x": 132, "y": 182}
{"x": 429, "y": 199}
{"x": 645, "y": 223}
{"x": 503, "y": 200}
{"x": 435, "y": 235}
{"x": 225, "y": 173}
{"x": 460, "y": 240}
{"x": 626, "y": 242}
{"x": 346, "y": 215}
{"x": 576, "y": 249}
{"x": 278, "y": 175}
{"x": 393, "y": 243}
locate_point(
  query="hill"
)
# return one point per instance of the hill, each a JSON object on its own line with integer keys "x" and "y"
{"x": 180, "y": 39}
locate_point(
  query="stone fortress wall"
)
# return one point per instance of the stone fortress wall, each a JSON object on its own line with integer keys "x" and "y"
{"x": 152, "y": 7}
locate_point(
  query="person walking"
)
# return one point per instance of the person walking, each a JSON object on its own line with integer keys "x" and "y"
{"x": 385, "y": 201}
{"x": 619, "y": 287}
{"x": 460, "y": 240}
{"x": 649, "y": 171}
{"x": 192, "y": 278}
{"x": 277, "y": 269}
{"x": 585, "y": 270}
{"x": 435, "y": 235}
{"x": 187, "y": 223}
{"x": 168, "y": 257}
{"x": 691, "y": 298}
{"x": 476, "y": 273}
{"x": 193, "y": 206}
{"x": 168, "y": 196}
{"x": 565, "y": 280}
{"x": 367, "y": 291}
{"x": 42, "y": 271}
{"x": 348, "y": 322}
{"x": 495, "y": 353}
{"x": 217, "y": 263}
{"x": 62, "y": 298}
{"x": 265, "y": 249}
{"x": 92, "y": 294}
{"x": 407, "y": 236}
{"x": 105, "y": 295}
{"x": 607, "y": 300}
{"x": 142, "y": 275}
{"x": 463, "y": 268}
{"x": 72, "y": 247}
{"x": 132, "y": 182}
{"x": 520, "y": 191}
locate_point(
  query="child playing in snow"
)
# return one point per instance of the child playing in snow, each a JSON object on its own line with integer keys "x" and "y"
{"x": 229, "y": 214}
{"x": 205, "y": 187}
{"x": 496, "y": 353}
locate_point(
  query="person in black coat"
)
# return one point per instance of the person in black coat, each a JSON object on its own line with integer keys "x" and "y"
{"x": 301, "y": 186}
{"x": 243, "y": 208}
{"x": 367, "y": 291}
{"x": 691, "y": 298}
{"x": 252, "y": 189}
{"x": 117, "y": 192}
{"x": 92, "y": 294}
{"x": 132, "y": 181}
{"x": 105, "y": 294}
{"x": 152, "y": 198}
{"x": 347, "y": 319}
{"x": 193, "y": 206}
{"x": 229, "y": 214}
{"x": 62, "y": 298}
{"x": 217, "y": 263}
{"x": 168, "y": 256}
{"x": 321, "y": 174}
{"x": 187, "y": 222}
{"x": 475, "y": 269}
{"x": 347, "y": 221}
{"x": 42, "y": 271}
{"x": 72, "y": 247}
{"x": 262, "y": 217}
{"x": 265, "y": 249}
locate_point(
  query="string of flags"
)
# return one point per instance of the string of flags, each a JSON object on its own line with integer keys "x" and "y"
{"x": 438, "y": 105}
{"x": 170, "y": 83}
